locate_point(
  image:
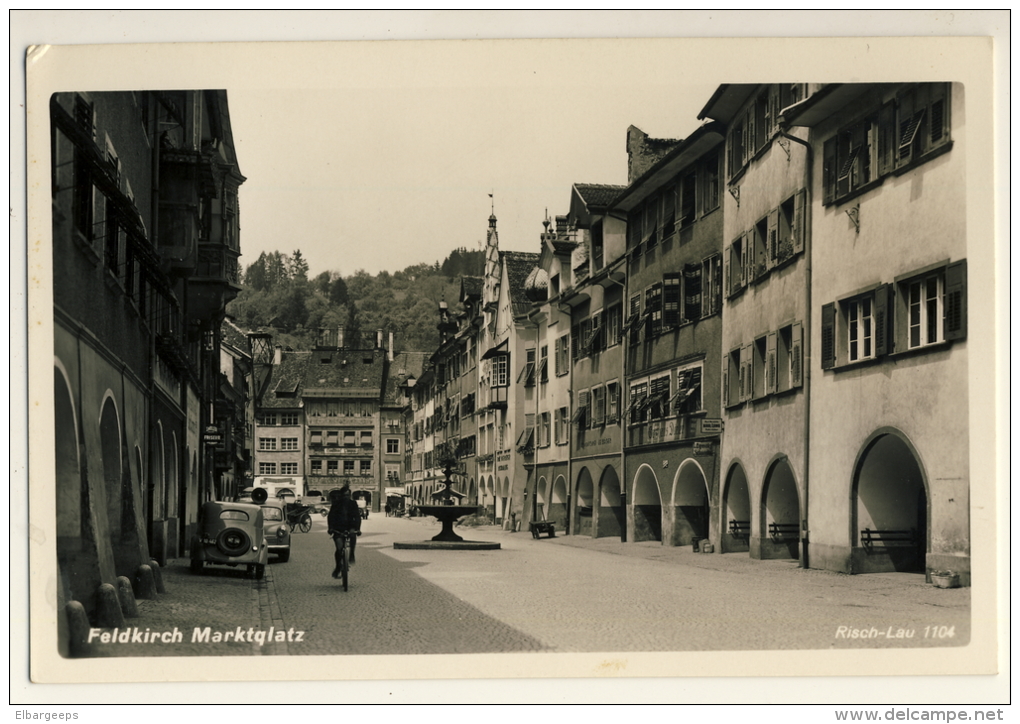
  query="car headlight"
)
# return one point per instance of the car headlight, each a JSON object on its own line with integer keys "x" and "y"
{"x": 281, "y": 532}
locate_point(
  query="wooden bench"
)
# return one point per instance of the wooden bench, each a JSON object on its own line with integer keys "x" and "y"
{"x": 869, "y": 537}
{"x": 539, "y": 527}
{"x": 740, "y": 528}
{"x": 779, "y": 532}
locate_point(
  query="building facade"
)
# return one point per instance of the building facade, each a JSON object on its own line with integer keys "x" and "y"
{"x": 673, "y": 335}
{"x": 145, "y": 249}
{"x": 766, "y": 322}
{"x": 327, "y": 418}
{"x": 890, "y": 487}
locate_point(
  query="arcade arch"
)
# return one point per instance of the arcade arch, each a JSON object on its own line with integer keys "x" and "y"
{"x": 690, "y": 504}
{"x": 612, "y": 518}
{"x": 646, "y": 506}
{"x": 780, "y": 512}
{"x": 585, "y": 504}
{"x": 889, "y": 493}
{"x": 736, "y": 523}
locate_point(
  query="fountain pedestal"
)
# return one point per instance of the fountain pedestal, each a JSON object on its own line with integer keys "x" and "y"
{"x": 448, "y": 512}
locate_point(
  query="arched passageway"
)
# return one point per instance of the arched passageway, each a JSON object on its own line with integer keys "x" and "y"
{"x": 690, "y": 504}
{"x": 890, "y": 508}
{"x": 558, "y": 503}
{"x": 542, "y": 499}
{"x": 647, "y": 506}
{"x": 77, "y": 557}
{"x": 611, "y": 518}
{"x": 583, "y": 521}
{"x": 780, "y": 515}
{"x": 116, "y": 491}
{"x": 736, "y": 521}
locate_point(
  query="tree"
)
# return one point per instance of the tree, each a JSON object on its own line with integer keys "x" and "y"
{"x": 298, "y": 268}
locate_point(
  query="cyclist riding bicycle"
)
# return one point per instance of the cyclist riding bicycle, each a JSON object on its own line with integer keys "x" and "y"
{"x": 344, "y": 518}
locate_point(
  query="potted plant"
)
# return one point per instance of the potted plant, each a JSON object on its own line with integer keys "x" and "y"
{"x": 945, "y": 579}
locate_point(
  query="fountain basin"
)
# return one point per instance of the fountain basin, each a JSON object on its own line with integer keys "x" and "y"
{"x": 447, "y": 539}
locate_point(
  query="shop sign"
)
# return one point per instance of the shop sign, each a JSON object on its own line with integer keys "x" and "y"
{"x": 711, "y": 426}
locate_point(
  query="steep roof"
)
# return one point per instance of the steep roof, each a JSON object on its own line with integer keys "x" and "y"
{"x": 518, "y": 266}
{"x": 404, "y": 365}
{"x": 332, "y": 373}
{"x": 234, "y": 336}
{"x": 595, "y": 195}
{"x": 284, "y": 386}
{"x": 471, "y": 287}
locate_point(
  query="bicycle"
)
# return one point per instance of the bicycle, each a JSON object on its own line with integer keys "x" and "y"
{"x": 345, "y": 553}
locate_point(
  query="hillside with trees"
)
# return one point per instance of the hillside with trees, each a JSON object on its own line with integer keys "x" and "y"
{"x": 278, "y": 297}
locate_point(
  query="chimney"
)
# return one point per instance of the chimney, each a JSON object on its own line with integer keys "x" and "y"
{"x": 278, "y": 355}
{"x": 644, "y": 152}
{"x": 390, "y": 356}
{"x": 340, "y": 338}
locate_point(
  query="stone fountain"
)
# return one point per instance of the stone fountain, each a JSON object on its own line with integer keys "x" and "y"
{"x": 447, "y": 509}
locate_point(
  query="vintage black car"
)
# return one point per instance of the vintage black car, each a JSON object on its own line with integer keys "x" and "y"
{"x": 276, "y": 530}
{"x": 231, "y": 534}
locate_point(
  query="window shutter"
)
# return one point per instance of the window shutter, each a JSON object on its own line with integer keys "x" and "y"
{"x": 956, "y": 301}
{"x": 575, "y": 344}
{"x": 583, "y": 418}
{"x": 745, "y": 258}
{"x": 797, "y": 355}
{"x": 828, "y": 336}
{"x": 829, "y": 170}
{"x": 726, "y": 381}
{"x": 800, "y": 221}
{"x": 882, "y": 320}
{"x": 717, "y": 285}
{"x": 727, "y": 253}
{"x": 773, "y": 239}
{"x": 670, "y": 300}
{"x": 886, "y": 139}
{"x": 939, "y": 116}
{"x": 770, "y": 364}
{"x": 692, "y": 292}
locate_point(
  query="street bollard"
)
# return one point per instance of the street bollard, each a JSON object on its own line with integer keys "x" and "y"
{"x": 145, "y": 582}
{"x": 127, "y": 597}
{"x": 157, "y": 573}
{"x": 108, "y": 613}
{"x": 77, "y": 629}
{"x": 694, "y": 543}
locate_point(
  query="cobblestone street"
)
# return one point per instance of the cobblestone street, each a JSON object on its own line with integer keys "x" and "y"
{"x": 564, "y": 594}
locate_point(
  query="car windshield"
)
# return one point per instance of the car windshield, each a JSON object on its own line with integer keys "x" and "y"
{"x": 233, "y": 515}
{"x": 272, "y": 513}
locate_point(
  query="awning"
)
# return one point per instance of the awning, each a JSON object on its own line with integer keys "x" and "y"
{"x": 501, "y": 348}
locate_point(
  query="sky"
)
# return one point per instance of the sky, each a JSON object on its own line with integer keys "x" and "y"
{"x": 381, "y": 169}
